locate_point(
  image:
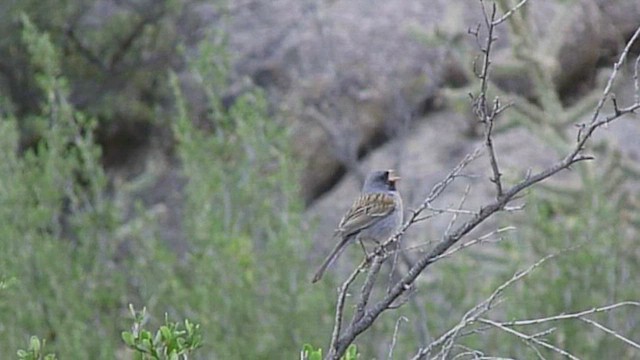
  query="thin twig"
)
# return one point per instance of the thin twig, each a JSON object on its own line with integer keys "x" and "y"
{"x": 612, "y": 77}
{"x": 479, "y": 240}
{"x": 574, "y": 315}
{"x": 636, "y": 80}
{"x": 367, "y": 287}
{"x": 611, "y": 332}
{"x": 528, "y": 338}
{"x": 447, "y": 339}
{"x": 342, "y": 295}
{"x": 485, "y": 114}
{"x": 395, "y": 336}
{"x": 508, "y": 14}
{"x": 455, "y": 214}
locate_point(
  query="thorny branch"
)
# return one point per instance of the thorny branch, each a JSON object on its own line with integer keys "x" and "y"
{"x": 368, "y": 312}
{"x": 484, "y": 113}
{"x": 447, "y": 339}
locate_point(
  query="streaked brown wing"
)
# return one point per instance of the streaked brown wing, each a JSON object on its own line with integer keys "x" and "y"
{"x": 365, "y": 211}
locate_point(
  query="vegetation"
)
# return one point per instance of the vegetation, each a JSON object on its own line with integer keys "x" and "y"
{"x": 76, "y": 260}
{"x": 80, "y": 251}
{"x": 116, "y": 63}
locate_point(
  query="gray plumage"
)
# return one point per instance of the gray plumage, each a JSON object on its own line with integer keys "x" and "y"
{"x": 374, "y": 216}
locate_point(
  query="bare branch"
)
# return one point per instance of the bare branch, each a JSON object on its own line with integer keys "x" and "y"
{"x": 508, "y": 13}
{"x": 574, "y": 315}
{"x": 455, "y": 214}
{"x": 492, "y": 153}
{"x": 450, "y": 211}
{"x": 471, "y": 316}
{"x": 528, "y": 338}
{"x": 486, "y": 114}
{"x": 611, "y": 332}
{"x": 395, "y": 336}
{"x": 636, "y": 80}
{"x": 577, "y": 315}
{"x": 479, "y": 240}
{"x": 367, "y": 287}
{"x": 614, "y": 73}
{"x": 342, "y": 295}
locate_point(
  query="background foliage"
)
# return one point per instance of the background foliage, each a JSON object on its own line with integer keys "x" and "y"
{"x": 77, "y": 256}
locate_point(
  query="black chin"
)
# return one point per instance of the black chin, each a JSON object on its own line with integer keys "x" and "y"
{"x": 392, "y": 185}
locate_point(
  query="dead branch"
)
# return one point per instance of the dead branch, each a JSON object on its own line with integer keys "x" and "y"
{"x": 367, "y": 311}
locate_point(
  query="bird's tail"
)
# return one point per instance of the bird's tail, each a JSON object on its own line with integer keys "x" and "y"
{"x": 337, "y": 250}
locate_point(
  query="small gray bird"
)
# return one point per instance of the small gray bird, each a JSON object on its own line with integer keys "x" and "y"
{"x": 375, "y": 215}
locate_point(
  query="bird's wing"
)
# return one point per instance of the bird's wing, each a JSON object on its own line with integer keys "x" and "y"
{"x": 366, "y": 211}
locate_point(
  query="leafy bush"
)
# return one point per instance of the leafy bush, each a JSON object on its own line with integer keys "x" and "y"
{"x": 56, "y": 225}
{"x": 171, "y": 341}
{"x": 77, "y": 254}
{"x": 116, "y": 57}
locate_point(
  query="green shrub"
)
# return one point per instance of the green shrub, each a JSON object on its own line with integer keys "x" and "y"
{"x": 116, "y": 59}
{"x": 75, "y": 259}
{"x": 56, "y": 226}
{"x": 171, "y": 341}
{"x": 244, "y": 277}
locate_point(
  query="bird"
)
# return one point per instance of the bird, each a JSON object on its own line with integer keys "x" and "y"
{"x": 375, "y": 215}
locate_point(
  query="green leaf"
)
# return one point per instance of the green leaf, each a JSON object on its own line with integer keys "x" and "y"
{"x": 351, "y": 353}
{"x": 34, "y": 344}
{"x": 166, "y": 333}
{"x": 128, "y": 338}
{"x": 309, "y": 353}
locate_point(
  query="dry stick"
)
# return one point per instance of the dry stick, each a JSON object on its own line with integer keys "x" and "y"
{"x": 528, "y": 338}
{"x": 394, "y": 264}
{"x": 479, "y": 240}
{"x": 477, "y": 354}
{"x": 509, "y": 13}
{"x": 367, "y": 287}
{"x": 485, "y": 115}
{"x": 395, "y": 336}
{"x": 611, "y": 332}
{"x": 616, "y": 67}
{"x": 636, "y": 81}
{"x": 535, "y": 350}
{"x": 438, "y": 211}
{"x": 342, "y": 295}
{"x": 574, "y": 315}
{"x": 475, "y": 312}
{"x": 455, "y": 214}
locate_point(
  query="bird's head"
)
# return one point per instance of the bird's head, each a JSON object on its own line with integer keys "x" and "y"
{"x": 381, "y": 180}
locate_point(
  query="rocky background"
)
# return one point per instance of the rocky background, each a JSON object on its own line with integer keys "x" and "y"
{"x": 358, "y": 85}
{"x": 373, "y": 85}
{"x": 352, "y": 78}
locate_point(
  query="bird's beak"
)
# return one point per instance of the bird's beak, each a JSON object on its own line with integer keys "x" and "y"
{"x": 393, "y": 177}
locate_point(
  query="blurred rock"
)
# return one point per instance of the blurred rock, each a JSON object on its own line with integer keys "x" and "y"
{"x": 367, "y": 66}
